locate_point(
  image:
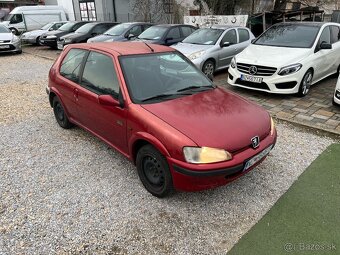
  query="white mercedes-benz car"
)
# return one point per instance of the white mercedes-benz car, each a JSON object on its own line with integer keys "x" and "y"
{"x": 288, "y": 58}
{"x": 336, "y": 98}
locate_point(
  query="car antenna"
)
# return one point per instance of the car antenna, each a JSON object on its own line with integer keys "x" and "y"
{"x": 152, "y": 50}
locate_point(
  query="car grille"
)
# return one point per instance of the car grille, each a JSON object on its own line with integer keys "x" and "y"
{"x": 254, "y": 85}
{"x": 6, "y": 41}
{"x": 261, "y": 70}
{"x": 11, "y": 47}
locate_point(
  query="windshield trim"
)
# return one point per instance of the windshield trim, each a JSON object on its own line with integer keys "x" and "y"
{"x": 140, "y": 102}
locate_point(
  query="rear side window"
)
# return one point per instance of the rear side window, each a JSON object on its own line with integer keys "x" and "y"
{"x": 71, "y": 64}
{"x": 101, "y": 28}
{"x": 335, "y": 34}
{"x": 99, "y": 75}
{"x": 174, "y": 33}
{"x": 325, "y": 36}
{"x": 187, "y": 31}
{"x": 243, "y": 35}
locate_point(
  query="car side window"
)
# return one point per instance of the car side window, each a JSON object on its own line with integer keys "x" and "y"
{"x": 78, "y": 25}
{"x": 243, "y": 35}
{"x": 325, "y": 36}
{"x": 57, "y": 25}
{"x": 145, "y": 27}
{"x": 174, "y": 33}
{"x": 230, "y": 37}
{"x": 186, "y": 31}
{"x": 100, "y": 29}
{"x": 335, "y": 34}
{"x": 16, "y": 18}
{"x": 71, "y": 64}
{"x": 99, "y": 75}
{"x": 136, "y": 30}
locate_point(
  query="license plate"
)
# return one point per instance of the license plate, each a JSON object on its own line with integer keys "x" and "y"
{"x": 4, "y": 46}
{"x": 251, "y": 78}
{"x": 257, "y": 158}
{"x": 60, "y": 46}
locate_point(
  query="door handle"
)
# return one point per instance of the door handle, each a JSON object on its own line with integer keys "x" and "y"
{"x": 75, "y": 94}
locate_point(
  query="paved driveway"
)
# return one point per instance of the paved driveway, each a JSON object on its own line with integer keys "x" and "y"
{"x": 315, "y": 110}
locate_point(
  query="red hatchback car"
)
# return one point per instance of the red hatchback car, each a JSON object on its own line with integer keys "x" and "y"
{"x": 153, "y": 105}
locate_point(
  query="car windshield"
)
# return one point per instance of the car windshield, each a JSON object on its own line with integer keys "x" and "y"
{"x": 47, "y": 26}
{"x": 153, "y": 33}
{"x": 86, "y": 28}
{"x": 117, "y": 30}
{"x": 67, "y": 26}
{"x": 4, "y": 29}
{"x": 167, "y": 76}
{"x": 207, "y": 36}
{"x": 289, "y": 35}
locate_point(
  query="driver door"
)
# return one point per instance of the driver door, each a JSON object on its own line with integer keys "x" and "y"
{"x": 226, "y": 54}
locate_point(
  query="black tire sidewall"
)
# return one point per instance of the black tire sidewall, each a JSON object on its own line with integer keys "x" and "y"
{"x": 149, "y": 150}
{"x": 300, "y": 94}
{"x": 65, "y": 123}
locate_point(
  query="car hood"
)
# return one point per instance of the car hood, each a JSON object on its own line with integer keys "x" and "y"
{"x": 146, "y": 41}
{"x": 57, "y": 33}
{"x": 6, "y": 36}
{"x": 214, "y": 118}
{"x": 102, "y": 38}
{"x": 5, "y": 23}
{"x": 188, "y": 48}
{"x": 35, "y": 33}
{"x": 272, "y": 56}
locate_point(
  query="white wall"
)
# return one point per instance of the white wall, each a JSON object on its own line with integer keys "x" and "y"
{"x": 68, "y": 7}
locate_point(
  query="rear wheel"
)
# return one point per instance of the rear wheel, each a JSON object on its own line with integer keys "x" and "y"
{"x": 154, "y": 172}
{"x": 60, "y": 114}
{"x": 37, "y": 41}
{"x": 305, "y": 84}
{"x": 208, "y": 68}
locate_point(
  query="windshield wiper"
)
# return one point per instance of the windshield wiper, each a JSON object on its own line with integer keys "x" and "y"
{"x": 196, "y": 87}
{"x": 159, "y": 97}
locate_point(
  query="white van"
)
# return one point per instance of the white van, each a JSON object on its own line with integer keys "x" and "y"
{"x": 27, "y": 18}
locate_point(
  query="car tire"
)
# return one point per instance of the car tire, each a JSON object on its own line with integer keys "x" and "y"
{"x": 37, "y": 41}
{"x": 60, "y": 115}
{"x": 153, "y": 171}
{"x": 334, "y": 103}
{"x": 305, "y": 84}
{"x": 19, "y": 52}
{"x": 208, "y": 68}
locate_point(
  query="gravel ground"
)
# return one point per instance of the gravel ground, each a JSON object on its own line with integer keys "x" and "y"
{"x": 64, "y": 191}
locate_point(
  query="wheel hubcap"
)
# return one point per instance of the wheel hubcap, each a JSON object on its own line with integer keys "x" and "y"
{"x": 307, "y": 81}
{"x": 209, "y": 69}
{"x": 153, "y": 171}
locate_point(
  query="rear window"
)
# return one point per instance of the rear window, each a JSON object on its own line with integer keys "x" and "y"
{"x": 243, "y": 35}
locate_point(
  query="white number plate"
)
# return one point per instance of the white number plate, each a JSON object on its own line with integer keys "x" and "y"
{"x": 257, "y": 157}
{"x": 251, "y": 78}
{"x": 4, "y": 46}
{"x": 60, "y": 46}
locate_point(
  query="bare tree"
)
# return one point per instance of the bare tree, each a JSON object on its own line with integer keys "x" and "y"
{"x": 148, "y": 10}
{"x": 218, "y": 7}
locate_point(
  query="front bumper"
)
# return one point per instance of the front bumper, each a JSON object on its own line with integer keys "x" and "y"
{"x": 49, "y": 42}
{"x": 288, "y": 84}
{"x": 337, "y": 96}
{"x": 10, "y": 47}
{"x": 29, "y": 40}
{"x": 195, "y": 177}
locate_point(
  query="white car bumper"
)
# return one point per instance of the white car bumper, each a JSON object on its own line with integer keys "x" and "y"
{"x": 337, "y": 92}
{"x": 271, "y": 83}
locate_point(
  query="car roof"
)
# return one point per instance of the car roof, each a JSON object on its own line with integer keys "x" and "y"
{"x": 225, "y": 27}
{"x": 306, "y": 23}
{"x": 124, "y": 48}
{"x": 171, "y": 25}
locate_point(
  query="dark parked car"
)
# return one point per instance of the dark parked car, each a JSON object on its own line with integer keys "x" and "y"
{"x": 122, "y": 32}
{"x": 84, "y": 33}
{"x": 50, "y": 38}
{"x": 159, "y": 110}
{"x": 166, "y": 34}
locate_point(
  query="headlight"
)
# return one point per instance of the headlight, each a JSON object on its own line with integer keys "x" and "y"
{"x": 51, "y": 37}
{"x": 290, "y": 69}
{"x": 68, "y": 40}
{"x": 204, "y": 155}
{"x": 195, "y": 55}
{"x": 233, "y": 63}
{"x": 272, "y": 126}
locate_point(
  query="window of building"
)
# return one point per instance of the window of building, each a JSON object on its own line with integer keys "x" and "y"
{"x": 88, "y": 10}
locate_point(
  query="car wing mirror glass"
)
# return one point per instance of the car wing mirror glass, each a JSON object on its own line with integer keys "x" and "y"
{"x": 108, "y": 100}
{"x": 130, "y": 36}
{"x": 225, "y": 44}
{"x": 325, "y": 46}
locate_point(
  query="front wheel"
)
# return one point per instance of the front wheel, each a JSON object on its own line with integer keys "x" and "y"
{"x": 154, "y": 172}
{"x": 208, "y": 68}
{"x": 305, "y": 84}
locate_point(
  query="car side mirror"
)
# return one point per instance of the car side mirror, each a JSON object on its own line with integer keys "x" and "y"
{"x": 50, "y": 29}
{"x": 130, "y": 36}
{"x": 225, "y": 44}
{"x": 325, "y": 46}
{"x": 108, "y": 100}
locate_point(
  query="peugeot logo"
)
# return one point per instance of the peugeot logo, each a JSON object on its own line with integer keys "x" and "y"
{"x": 255, "y": 142}
{"x": 253, "y": 70}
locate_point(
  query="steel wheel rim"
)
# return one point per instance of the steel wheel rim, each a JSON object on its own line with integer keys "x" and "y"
{"x": 307, "y": 80}
{"x": 153, "y": 172}
{"x": 209, "y": 69}
{"x": 59, "y": 112}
